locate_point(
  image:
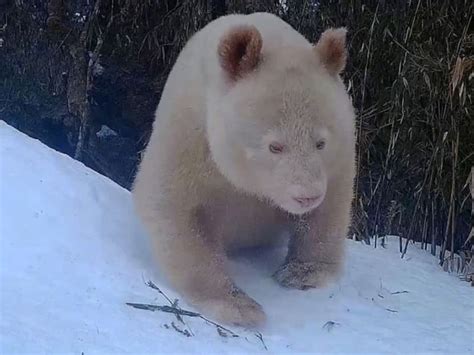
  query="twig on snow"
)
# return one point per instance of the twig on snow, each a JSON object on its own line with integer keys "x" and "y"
{"x": 179, "y": 312}
{"x": 182, "y": 331}
{"x": 174, "y": 304}
{"x": 398, "y": 292}
{"x": 156, "y": 288}
{"x": 166, "y": 309}
{"x": 260, "y": 337}
{"x": 330, "y": 324}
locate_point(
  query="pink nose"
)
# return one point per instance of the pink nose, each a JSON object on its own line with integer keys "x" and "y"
{"x": 306, "y": 201}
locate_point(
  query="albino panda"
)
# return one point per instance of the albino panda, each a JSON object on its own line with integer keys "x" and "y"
{"x": 254, "y": 134}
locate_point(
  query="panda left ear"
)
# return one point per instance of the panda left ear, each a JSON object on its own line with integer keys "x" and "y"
{"x": 331, "y": 49}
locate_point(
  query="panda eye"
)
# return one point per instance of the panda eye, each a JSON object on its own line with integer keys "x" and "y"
{"x": 320, "y": 145}
{"x": 276, "y": 148}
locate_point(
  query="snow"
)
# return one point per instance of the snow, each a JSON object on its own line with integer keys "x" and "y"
{"x": 72, "y": 255}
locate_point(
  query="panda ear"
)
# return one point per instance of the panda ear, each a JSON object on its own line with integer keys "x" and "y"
{"x": 239, "y": 51}
{"x": 331, "y": 49}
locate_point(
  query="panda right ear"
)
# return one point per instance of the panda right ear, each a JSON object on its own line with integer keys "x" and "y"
{"x": 239, "y": 51}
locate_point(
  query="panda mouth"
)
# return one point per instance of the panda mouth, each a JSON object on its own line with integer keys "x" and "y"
{"x": 308, "y": 201}
{"x": 302, "y": 204}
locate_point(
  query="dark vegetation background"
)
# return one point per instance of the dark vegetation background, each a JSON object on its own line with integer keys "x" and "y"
{"x": 85, "y": 77}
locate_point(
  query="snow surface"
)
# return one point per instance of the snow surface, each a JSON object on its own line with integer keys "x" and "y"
{"x": 73, "y": 254}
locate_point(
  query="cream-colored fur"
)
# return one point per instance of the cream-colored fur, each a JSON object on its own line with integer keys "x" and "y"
{"x": 254, "y": 134}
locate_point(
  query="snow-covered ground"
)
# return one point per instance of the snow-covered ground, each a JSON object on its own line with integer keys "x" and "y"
{"x": 72, "y": 255}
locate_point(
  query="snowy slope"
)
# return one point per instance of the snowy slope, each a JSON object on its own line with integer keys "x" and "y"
{"x": 72, "y": 255}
